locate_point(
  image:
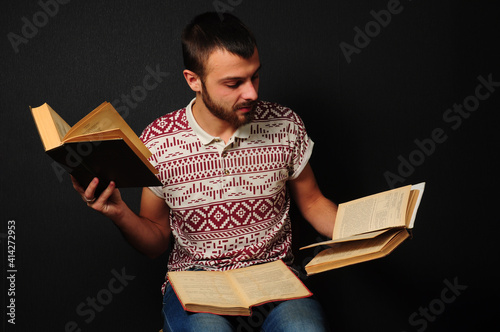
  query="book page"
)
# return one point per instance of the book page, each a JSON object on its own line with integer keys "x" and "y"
{"x": 100, "y": 119}
{"x": 371, "y": 213}
{"x": 61, "y": 125}
{"x": 268, "y": 282}
{"x": 352, "y": 249}
{"x": 204, "y": 287}
{"x": 363, "y": 236}
{"x": 104, "y": 118}
{"x": 418, "y": 189}
{"x": 348, "y": 253}
{"x": 51, "y": 126}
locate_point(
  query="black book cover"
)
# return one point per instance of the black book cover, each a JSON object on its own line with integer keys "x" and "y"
{"x": 108, "y": 160}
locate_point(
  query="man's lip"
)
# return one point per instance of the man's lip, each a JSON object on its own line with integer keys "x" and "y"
{"x": 246, "y": 108}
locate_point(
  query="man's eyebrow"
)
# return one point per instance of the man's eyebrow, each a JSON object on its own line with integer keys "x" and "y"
{"x": 230, "y": 78}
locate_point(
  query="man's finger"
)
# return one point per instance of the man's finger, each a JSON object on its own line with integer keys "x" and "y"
{"x": 77, "y": 185}
{"x": 89, "y": 193}
{"x": 105, "y": 195}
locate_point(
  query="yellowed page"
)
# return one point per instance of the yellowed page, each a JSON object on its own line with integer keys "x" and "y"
{"x": 411, "y": 206}
{"x": 51, "y": 126}
{"x": 103, "y": 118}
{"x": 99, "y": 119}
{"x": 418, "y": 189}
{"x": 352, "y": 249}
{"x": 371, "y": 213}
{"x": 357, "y": 237}
{"x": 268, "y": 282}
{"x": 349, "y": 253}
{"x": 205, "y": 288}
{"x": 61, "y": 125}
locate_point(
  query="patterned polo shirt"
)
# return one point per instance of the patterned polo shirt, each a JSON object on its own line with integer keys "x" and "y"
{"x": 229, "y": 203}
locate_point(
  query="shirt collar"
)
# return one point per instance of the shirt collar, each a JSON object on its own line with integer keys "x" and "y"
{"x": 204, "y": 137}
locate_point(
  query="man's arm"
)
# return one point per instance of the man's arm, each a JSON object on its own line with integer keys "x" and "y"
{"x": 319, "y": 211}
{"x": 149, "y": 232}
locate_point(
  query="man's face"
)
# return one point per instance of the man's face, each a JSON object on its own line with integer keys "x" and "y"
{"x": 230, "y": 88}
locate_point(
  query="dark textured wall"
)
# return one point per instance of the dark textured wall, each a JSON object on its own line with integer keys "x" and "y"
{"x": 392, "y": 92}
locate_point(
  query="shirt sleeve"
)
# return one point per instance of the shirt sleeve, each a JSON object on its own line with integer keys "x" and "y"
{"x": 150, "y": 144}
{"x": 158, "y": 191}
{"x": 302, "y": 147}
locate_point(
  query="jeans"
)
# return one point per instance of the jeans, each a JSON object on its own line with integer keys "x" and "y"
{"x": 293, "y": 315}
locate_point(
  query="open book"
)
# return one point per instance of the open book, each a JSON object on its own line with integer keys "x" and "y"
{"x": 100, "y": 145}
{"x": 369, "y": 228}
{"x": 235, "y": 292}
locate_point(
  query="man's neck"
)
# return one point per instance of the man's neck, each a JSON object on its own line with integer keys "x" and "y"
{"x": 210, "y": 123}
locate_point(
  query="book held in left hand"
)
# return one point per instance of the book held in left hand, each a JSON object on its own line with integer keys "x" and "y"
{"x": 368, "y": 228}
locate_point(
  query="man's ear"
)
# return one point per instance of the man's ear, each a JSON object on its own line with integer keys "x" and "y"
{"x": 193, "y": 80}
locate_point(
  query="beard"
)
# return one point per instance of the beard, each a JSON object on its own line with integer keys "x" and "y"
{"x": 229, "y": 114}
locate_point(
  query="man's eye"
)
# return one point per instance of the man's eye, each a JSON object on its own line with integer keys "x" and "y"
{"x": 234, "y": 86}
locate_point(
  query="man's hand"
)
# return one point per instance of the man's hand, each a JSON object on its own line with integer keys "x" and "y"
{"x": 316, "y": 208}
{"x": 109, "y": 203}
{"x": 149, "y": 232}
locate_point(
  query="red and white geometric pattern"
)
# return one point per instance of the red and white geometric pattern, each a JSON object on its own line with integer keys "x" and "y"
{"x": 229, "y": 203}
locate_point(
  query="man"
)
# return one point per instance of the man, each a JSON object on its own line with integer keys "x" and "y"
{"x": 228, "y": 164}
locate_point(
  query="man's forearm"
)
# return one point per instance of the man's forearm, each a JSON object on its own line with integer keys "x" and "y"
{"x": 149, "y": 232}
{"x": 319, "y": 211}
{"x": 321, "y": 214}
{"x": 142, "y": 233}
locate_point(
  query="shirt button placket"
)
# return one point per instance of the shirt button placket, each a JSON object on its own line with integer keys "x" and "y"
{"x": 225, "y": 171}
{"x": 223, "y": 159}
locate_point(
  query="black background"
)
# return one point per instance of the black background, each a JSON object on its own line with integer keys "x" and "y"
{"x": 361, "y": 114}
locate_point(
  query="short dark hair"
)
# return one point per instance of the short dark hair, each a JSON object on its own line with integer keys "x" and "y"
{"x": 210, "y": 31}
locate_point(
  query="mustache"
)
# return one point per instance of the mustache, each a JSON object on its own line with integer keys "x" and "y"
{"x": 246, "y": 104}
